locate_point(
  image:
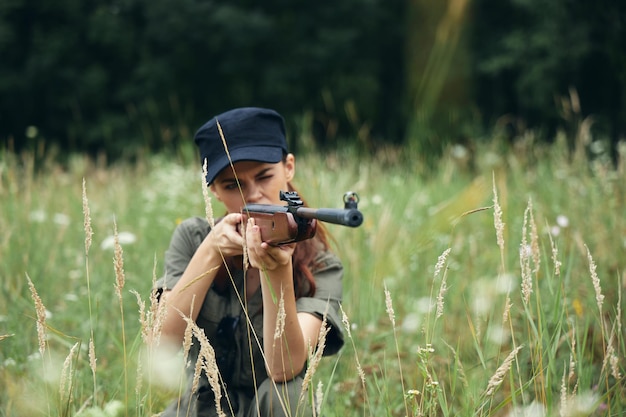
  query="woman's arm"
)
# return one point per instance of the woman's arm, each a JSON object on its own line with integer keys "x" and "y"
{"x": 286, "y": 333}
{"x": 223, "y": 240}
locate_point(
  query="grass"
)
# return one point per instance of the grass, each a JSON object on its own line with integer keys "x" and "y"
{"x": 490, "y": 290}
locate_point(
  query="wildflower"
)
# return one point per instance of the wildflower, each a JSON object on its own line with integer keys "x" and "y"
{"x": 71, "y": 297}
{"x": 578, "y": 307}
{"x": 38, "y": 216}
{"x": 562, "y": 221}
{"x": 581, "y": 405}
{"x": 124, "y": 238}
{"x": 505, "y": 283}
{"x": 411, "y": 323}
{"x": 534, "y": 409}
{"x": 498, "y": 335}
{"x": 377, "y": 200}
{"x": 459, "y": 152}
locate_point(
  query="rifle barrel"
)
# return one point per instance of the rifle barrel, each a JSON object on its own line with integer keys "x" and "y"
{"x": 345, "y": 217}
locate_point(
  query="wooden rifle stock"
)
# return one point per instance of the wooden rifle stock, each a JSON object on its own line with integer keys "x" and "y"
{"x": 292, "y": 223}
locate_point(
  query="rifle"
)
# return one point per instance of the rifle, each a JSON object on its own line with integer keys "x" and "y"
{"x": 293, "y": 222}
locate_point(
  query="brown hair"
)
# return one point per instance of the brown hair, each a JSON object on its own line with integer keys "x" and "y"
{"x": 304, "y": 256}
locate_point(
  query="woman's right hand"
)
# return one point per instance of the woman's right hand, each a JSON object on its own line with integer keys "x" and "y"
{"x": 226, "y": 237}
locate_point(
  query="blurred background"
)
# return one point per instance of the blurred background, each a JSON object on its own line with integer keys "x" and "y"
{"x": 119, "y": 78}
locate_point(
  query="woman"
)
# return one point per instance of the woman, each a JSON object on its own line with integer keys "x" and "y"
{"x": 264, "y": 320}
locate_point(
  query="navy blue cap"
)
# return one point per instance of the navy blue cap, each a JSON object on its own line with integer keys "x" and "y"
{"x": 251, "y": 134}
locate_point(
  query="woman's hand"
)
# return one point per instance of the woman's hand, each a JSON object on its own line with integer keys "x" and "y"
{"x": 263, "y": 256}
{"x": 225, "y": 237}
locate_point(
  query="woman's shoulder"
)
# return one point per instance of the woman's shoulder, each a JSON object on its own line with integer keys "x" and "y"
{"x": 192, "y": 230}
{"x": 326, "y": 259}
{"x": 195, "y": 223}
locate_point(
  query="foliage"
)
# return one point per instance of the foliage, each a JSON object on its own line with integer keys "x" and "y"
{"x": 123, "y": 77}
{"x": 117, "y": 76}
{"x": 528, "y": 55}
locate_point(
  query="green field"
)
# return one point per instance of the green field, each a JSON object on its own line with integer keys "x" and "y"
{"x": 490, "y": 286}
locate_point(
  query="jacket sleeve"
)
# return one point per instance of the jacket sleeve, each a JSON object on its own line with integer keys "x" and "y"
{"x": 185, "y": 240}
{"x": 325, "y": 303}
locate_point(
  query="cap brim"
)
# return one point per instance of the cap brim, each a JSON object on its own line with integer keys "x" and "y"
{"x": 267, "y": 154}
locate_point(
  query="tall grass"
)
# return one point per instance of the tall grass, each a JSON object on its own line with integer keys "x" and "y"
{"x": 487, "y": 291}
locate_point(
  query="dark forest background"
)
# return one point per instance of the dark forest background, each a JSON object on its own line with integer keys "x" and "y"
{"x": 118, "y": 77}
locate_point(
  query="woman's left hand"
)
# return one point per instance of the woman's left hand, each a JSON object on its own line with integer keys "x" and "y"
{"x": 263, "y": 256}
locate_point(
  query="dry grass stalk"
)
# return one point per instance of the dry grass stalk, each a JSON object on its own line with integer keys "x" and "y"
{"x": 459, "y": 365}
{"x": 188, "y": 336}
{"x": 139, "y": 376}
{"x": 392, "y": 318}
{"x": 506, "y": 316}
{"x": 496, "y": 380}
{"x": 555, "y": 258}
{"x": 611, "y": 359}
{"x": 199, "y": 277}
{"x": 208, "y": 207}
{"x": 87, "y": 219}
{"x": 525, "y": 254}
{"x": 389, "y": 307}
{"x": 315, "y": 356}
{"x": 441, "y": 261}
{"x": 346, "y": 325}
{"x": 143, "y": 317}
{"x": 534, "y": 238}
{"x": 120, "y": 279}
{"x": 88, "y": 240}
{"x": 497, "y": 217}
{"x": 244, "y": 229}
{"x": 572, "y": 361}
{"x": 158, "y": 311}
{"x": 563, "y": 395}
{"x": 443, "y": 288}
{"x": 5, "y": 336}
{"x": 280, "y": 316}
{"x": 118, "y": 262}
{"x": 319, "y": 398}
{"x": 41, "y": 316}
{"x": 206, "y": 362}
{"x": 66, "y": 374}
{"x": 442, "y": 292}
{"x": 152, "y": 319}
{"x": 92, "y": 356}
{"x": 596, "y": 281}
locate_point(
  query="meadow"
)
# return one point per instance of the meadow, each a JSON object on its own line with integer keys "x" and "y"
{"x": 488, "y": 286}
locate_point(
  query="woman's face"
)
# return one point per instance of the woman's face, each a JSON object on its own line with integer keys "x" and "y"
{"x": 260, "y": 183}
